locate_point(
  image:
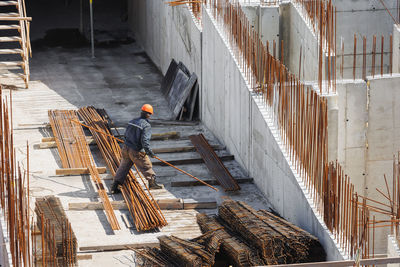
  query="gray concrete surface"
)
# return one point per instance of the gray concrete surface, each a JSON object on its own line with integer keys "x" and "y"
{"x": 167, "y": 32}
{"x": 393, "y": 249}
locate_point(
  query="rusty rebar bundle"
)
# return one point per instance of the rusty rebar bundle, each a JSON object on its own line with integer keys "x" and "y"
{"x": 143, "y": 208}
{"x": 59, "y": 245}
{"x": 75, "y": 153}
{"x": 14, "y": 189}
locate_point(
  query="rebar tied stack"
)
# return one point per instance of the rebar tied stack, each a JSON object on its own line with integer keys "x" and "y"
{"x": 143, "y": 208}
{"x": 275, "y": 242}
{"x": 14, "y": 190}
{"x": 75, "y": 153}
{"x": 59, "y": 244}
{"x": 232, "y": 246}
{"x": 179, "y": 252}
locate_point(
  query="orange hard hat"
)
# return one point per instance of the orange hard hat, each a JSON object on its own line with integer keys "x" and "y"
{"x": 148, "y": 108}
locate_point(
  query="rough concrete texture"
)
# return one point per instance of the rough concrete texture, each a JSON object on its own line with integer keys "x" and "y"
{"x": 368, "y": 136}
{"x": 237, "y": 117}
{"x": 265, "y": 19}
{"x": 167, "y": 32}
{"x": 396, "y": 49}
{"x": 298, "y": 37}
{"x": 393, "y": 250}
{"x": 363, "y": 18}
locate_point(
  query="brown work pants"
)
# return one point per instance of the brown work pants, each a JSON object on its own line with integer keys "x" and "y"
{"x": 130, "y": 157}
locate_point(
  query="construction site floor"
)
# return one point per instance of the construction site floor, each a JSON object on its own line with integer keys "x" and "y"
{"x": 120, "y": 79}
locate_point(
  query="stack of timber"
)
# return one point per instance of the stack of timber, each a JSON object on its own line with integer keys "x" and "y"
{"x": 59, "y": 243}
{"x": 175, "y": 251}
{"x": 276, "y": 240}
{"x": 142, "y": 206}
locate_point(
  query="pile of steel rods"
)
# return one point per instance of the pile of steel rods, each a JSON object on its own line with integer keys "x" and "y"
{"x": 75, "y": 152}
{"x": 58, "y": 242}
{"x": 14, "y": 188}
{"x": 144, "y": 209}
{"x": 67, "y": 145}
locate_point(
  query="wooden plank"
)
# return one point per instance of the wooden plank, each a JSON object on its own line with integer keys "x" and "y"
{"x": 119, "y": 247}
{"x": 169, "y": 122}
{"x": 84, "y": 257}
{"x": 239, "y": 180}
{"x": 165, "y": 204}
{"x": 203, "y": 203}
{"x": 50, "y": 142}
{"x": 191, "y": 161}
{"x": 165, "y": 136}
{"x": 78, "y": 171}
{"x": 181, "y": 149}
{"x": 53, "y": 144}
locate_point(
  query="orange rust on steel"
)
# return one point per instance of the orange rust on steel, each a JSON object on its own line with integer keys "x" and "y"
{"x": 391, "y": 55}
{"x": 373, "y": 55}
{"x": 354, "y": 57}
{"x": 364, "y": 65}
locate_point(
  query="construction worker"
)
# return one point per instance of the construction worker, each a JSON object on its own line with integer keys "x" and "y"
{"x": 136, "y": 150}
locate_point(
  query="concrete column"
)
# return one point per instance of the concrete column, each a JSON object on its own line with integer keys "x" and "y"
{"x": 396, "y": 49}
{"x": 393, "y": 250}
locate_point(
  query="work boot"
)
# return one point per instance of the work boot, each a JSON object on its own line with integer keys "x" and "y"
{"x": 115, "y": 188}
{"x": 153, "y": 184}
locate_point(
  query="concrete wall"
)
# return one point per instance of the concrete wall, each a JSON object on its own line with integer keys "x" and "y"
{"x": 396, "y": 49}
{"x": 393, "y": 250}
{"x": 265, "y": 19}
{"x": 369, "y": 136}
{"x": 166, "y": 32}
{"x": 239, "y": 119}
{"x": 5, "y": 255}
{"x": 296, "y": 35}
{"x": 363, "y": 18}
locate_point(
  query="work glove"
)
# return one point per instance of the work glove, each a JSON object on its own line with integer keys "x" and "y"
{"x": 150, "y": 153}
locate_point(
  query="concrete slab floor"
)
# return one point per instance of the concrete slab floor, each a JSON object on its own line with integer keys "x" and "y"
{"x": 120, "y": 80}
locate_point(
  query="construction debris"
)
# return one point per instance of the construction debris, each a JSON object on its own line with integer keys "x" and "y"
{"x": 59, "y": 243}
{"x": 213, "y": 163}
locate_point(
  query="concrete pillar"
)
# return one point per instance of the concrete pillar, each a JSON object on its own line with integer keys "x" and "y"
{"x": 396, "y": 49}
{"x": 333, "y": 117}
{"x": 393, "y": 250}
